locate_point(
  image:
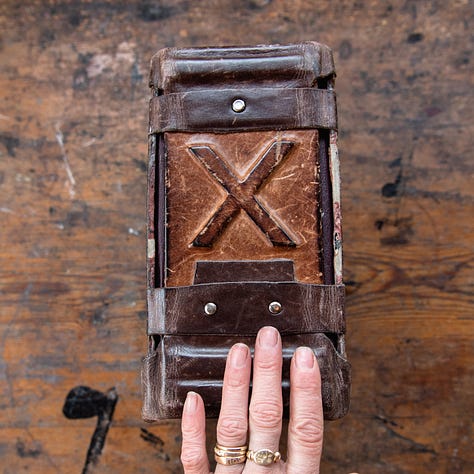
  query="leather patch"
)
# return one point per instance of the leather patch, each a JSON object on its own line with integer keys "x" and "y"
{"x": 305, "y": 308}
{"x": 257, "y": 212}
{"x": 246, "y": 270}
{"x": 265, "y": 109}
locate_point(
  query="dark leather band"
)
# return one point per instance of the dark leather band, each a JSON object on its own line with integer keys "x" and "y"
{"x": 306, "y": 308}
{"x": 266, "y": 109}
{"x": 183, "y": 363}
{"x": 287, "y": 66}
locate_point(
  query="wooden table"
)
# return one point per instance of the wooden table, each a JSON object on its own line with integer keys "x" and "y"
{"x": 73, "y": 126}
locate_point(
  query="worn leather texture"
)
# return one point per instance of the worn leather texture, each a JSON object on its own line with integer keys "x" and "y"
{"x": 197, "y": 363}
{"x": 242, "y": 235}
{"x": 241, "y": 213}
{"x": 265, "y": 109}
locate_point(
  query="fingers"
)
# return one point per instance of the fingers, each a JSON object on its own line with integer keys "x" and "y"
{"x": 233, "y": 418}
{"x": 266, "y": 406}
{"x": 305, "y": 429}
{"x": 193, "y": 427}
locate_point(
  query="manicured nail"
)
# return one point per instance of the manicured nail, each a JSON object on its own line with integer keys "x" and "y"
{"x": 190, "y": 405}
{"x": 304, "y": 358}
{"x": 268, "y": 337}
{"x": 239, "y": 355}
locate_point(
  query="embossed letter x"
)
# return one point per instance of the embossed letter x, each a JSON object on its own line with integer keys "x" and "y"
{"x": 241, "y": 195}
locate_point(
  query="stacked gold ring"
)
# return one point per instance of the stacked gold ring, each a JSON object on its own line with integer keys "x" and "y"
{"x": 230, "y": 456}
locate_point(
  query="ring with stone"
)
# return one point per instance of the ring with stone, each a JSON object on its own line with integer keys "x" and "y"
{"x": 263, "y": 457}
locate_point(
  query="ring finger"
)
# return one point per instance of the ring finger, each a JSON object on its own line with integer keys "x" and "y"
{"x": 266, "y": 406}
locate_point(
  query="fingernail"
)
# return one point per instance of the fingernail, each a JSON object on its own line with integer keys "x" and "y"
{"x": 268, "y": 337}
{"x": 190, "y": 405}
{"x": 304, "y": 358}
{"x": 239, "y": 355}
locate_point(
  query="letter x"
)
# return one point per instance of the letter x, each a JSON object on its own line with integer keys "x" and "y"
{"x": 241, "y": 194}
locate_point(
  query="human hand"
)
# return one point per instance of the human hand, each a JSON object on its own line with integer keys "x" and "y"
{"x": 263, "y": 418}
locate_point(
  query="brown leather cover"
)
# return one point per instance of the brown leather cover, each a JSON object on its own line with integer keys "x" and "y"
{"x": 243, "y": 212}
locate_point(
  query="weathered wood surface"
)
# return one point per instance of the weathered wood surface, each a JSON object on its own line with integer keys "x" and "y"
{"x": 73, "y": 86}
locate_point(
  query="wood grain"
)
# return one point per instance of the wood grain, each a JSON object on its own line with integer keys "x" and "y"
{"x": 73, "y": 147}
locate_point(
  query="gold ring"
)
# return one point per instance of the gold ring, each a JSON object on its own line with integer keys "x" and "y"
{"x": 229, "y": 456}
{"x": 263, "y": 457}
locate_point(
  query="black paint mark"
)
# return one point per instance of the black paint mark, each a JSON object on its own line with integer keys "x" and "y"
{"x": 75, "y": 18}
{"x": 28, "y": 452}
{"x": 463, "y": 59}
{"x": 149, "y": 437}
{"x": 345, "y": 49}
{"x": 397, "y": 162}
{"x": 140, "y": 164}
{"x": 412, "y": 445}
{"x": 391, "y": 189}
{"x": 156, "y": 442}
{"x": 10, "y": 144}
{"x": 379, "y": 223}
{"x": 99, "y": 316}
{"x": 400, "y": 230}
{"x": 84, "y": 402}
{"x": 80, "y": 79}
{"x": 78, "y": 217}
{"x": 386, "y": 421}
{"x": 154, "y": 12}
{"x": 257, "y": 4}
{"x": 415, "y": 38}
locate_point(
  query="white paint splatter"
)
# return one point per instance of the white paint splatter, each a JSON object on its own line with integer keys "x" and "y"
{"x": 71, "y": 181}
{"x": 89, "y": 142}
{"x": 133, "y": 231}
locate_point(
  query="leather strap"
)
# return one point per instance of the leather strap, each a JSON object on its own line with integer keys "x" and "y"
{"x": 243, "y": 307}
{"x": 265, "y": 109}
{"x": 286, "y": 66}
{"x": 183, "y": 363}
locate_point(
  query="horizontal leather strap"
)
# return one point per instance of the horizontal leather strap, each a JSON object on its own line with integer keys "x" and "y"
{"x": 243, "y": 308}
{"x": 294, "y": 65}
{"x": 183, "y": 363}
{"x": 265, "y": 109}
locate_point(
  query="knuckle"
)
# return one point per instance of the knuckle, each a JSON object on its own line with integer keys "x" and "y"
{"x": 266, "y": 414}
{"x": 236, "y": 380}
{"x": 232, "y": 429}
{"x": 191, "y": 457}
{"x": 305, "y": 384}
{"x": 269, "y": 364}
{"x": 307, "y": 431}
{"x": 190, "y": 431}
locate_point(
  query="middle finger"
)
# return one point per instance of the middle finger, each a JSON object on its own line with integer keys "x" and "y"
{"x": 266, "y": 405}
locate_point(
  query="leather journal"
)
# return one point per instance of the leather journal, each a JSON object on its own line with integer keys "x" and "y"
{"x": 244, "y": 220}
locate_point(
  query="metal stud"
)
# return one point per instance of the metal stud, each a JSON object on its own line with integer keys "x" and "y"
{"x": 275, "y": 307}
{"x": 210, "y": 308}
{"x": 238, "y": 105}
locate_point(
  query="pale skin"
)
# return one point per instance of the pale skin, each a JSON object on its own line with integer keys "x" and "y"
{"x": 260, "y": 423}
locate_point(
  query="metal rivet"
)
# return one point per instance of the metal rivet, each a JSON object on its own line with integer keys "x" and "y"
{"x": 210, "y": 308}
{"x": 238, "y": 105}
{"x": 274, "y": 307}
